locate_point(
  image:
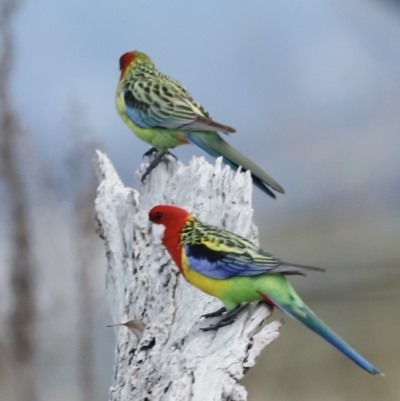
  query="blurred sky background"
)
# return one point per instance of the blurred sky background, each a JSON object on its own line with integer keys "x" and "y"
{"x": 313, "y": 89}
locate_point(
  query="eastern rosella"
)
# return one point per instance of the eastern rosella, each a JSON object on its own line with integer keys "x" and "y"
{"x": 160, "y": 111}
{"x": 233, "y": 269}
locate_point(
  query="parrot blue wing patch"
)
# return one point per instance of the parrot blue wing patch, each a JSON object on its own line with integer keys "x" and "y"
{"x": 137, "y": 111}
{"x": 223, "y": 265}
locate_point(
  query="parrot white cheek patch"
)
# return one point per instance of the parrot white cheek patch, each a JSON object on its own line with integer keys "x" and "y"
{"x": 157, "y": 232}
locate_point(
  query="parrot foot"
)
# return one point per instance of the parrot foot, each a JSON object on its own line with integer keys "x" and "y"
{"x": 156, "y": 161}
{"x": 150, "y": 152}
{"x": 228, "y": 319}
{"x": 218, "y": 312}
{"x": 153, "y": 150}
{"x": 221, "y": 323}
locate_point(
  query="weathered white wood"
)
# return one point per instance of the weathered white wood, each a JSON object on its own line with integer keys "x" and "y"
{"x": 174, "y": 360}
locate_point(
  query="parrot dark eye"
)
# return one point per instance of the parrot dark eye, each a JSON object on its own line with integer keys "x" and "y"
{"x": 158, "y": 215}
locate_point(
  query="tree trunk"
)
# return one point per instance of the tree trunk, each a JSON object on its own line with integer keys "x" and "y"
{"x": 23, "y": 309}
{"x": 174, "y": 360}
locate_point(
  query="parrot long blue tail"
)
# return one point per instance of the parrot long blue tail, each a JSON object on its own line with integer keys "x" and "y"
{"x": 300, "y": 312}
{"x": 215, "y": 146}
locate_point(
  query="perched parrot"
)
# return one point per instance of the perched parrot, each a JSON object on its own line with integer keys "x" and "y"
{"x": 234, "y": 270}
{"x": 160, "y": 111}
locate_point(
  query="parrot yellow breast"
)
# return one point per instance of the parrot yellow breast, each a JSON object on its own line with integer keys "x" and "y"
{"x": 206, "y": 284}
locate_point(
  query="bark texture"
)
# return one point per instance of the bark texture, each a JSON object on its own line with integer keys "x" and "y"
{"x": 174, "y": 360}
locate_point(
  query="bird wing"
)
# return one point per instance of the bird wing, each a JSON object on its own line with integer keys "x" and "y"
{"x": 220, "y": 254}
{"x": 156, "y": 103}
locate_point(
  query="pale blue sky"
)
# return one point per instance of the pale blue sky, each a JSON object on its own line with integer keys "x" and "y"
{"x": 295, "y": 79}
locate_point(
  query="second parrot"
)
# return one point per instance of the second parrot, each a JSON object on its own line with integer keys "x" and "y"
{"x": 161, "y": 112}
{"x": 236, "y": 271}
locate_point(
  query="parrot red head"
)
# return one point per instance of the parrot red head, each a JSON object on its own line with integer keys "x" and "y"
{"x": 127, "y": 60}
{"x": 169, "y": 216}
{"x": 173, "y": 219}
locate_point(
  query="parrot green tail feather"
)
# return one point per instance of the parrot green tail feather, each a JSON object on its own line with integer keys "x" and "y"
{"x": 292, "y": 305}
{"x": 215, "y": 146}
